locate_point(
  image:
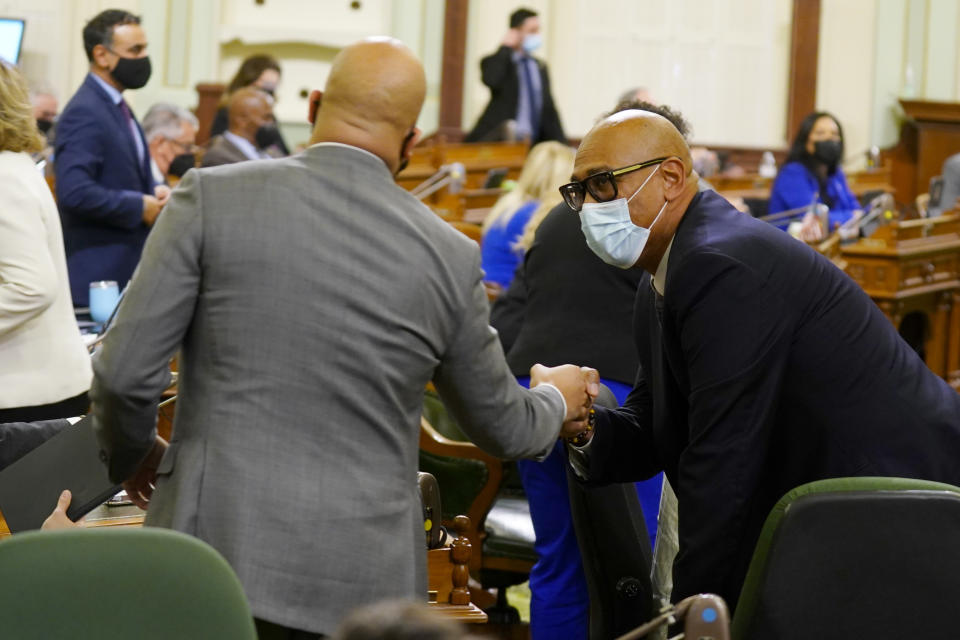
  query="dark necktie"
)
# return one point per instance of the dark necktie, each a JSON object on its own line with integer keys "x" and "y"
{"x": 127, "y": 116}
{"x": 131, "y": 128}
{"x": 532, "y": 97}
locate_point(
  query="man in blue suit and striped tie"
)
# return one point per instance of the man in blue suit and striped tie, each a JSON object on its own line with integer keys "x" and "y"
{"x": 105, "y": 190}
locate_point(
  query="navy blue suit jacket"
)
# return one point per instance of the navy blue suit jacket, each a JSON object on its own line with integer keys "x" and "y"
{"x": 764, "y": 367}
{"x": 100, "y": 187}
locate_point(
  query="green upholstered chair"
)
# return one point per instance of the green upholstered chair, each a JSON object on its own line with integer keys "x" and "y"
{"x": 487, "y": 490}
{"x": 149, "y": 584}
{"x": 856, "y": 558}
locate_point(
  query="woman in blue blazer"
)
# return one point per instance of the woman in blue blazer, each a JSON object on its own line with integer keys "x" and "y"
{"x": 813, "y": 174}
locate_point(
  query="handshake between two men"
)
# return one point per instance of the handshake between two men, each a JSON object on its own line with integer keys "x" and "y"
{"x": 580, "y": 387}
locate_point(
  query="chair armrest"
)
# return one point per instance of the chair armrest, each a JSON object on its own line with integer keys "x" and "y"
{"x": 431, "y": 441}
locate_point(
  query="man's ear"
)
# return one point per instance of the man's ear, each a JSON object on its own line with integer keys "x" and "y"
{"x": 101, "y": 56}
{"x": 676, "y": 177}
{"x": 313, "y": 105}
{"x": 412, "y": 142}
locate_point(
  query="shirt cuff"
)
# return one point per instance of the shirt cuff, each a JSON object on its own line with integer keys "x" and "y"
{"x": 563, "y": 400}
{"x": 580, "y": 459}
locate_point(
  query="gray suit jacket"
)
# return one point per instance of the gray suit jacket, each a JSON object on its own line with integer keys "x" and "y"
{"x": 222, "y": 151}
{"x": 313, "y": 299}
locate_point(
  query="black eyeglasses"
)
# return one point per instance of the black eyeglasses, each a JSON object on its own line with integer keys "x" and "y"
{"x": 602, "y": 186}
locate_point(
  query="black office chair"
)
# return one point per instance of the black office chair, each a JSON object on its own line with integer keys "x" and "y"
{"x": 615, "y": 550}
{"x": 849, "y": 558}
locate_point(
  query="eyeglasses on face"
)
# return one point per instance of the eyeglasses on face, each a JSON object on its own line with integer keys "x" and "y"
{"x": 602, "y": 186}
{"x": 184, "y": 147}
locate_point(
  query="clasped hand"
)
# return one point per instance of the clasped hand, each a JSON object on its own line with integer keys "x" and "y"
{"x": 579, "y": 386}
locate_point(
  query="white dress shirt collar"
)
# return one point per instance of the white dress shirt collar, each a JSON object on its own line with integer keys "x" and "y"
{"x": 346, "y": 146}
{"x": 660, "y": 277}
{"x": 246, "y": 147}
{"x": 111, "y": 91}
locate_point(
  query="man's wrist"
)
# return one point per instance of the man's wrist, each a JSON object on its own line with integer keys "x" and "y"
{"x": 563, "y": 400}
{"x": 584, "y": 436}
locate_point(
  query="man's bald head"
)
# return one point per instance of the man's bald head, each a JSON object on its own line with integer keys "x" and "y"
{"x": 248, "y": 110}
{"x": 372, "y": 100}
{"x": 375, "y": 83}
{"x": 628, "y": 137}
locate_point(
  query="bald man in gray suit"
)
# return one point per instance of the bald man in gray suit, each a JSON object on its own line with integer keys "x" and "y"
{"x": 312, "y": 300}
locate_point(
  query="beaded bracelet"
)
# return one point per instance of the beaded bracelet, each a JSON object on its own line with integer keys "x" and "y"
{"x": 581, "y": 438}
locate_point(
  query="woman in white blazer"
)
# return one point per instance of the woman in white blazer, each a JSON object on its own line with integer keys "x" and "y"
{"x": 44, "y": 367}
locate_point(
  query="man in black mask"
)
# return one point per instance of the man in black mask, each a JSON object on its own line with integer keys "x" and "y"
{"x": 45, "y": 108}
{"x": 171, "y": 133}
{"x": 252, "y": 133}
{"x": 105, "y": 190}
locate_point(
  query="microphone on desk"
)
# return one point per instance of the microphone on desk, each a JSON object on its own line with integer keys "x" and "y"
{"x": 450, "y": 175}
{"x": 458, "y": 175}
{"x": 794, "y": 213}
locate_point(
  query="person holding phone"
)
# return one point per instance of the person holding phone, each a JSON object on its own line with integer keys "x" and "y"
{"x": 519, "y": 87}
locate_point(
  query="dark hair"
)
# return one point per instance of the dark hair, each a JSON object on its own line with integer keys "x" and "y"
{"x": 100, "y": 28}
{"x": 675, "y": 118}
{"x": 251, "y": 69}
{"x": 798, "y": 150}
{"x": 398, "y": 620}
{"x": 519, "y": 16}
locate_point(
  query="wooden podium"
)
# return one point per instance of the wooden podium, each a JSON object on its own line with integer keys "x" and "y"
{"x": 913, "y": 267}
{"x": 930, "y": 134}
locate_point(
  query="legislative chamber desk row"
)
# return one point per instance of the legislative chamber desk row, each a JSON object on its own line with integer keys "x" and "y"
{"x": 911, "y": 269}
{"x": 466, "y": 196}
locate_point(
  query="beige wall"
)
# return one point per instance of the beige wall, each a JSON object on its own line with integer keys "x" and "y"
{"x": 721, "y": 62}
{"x": 705, "y": 57}
{"x": 845, "y": 70}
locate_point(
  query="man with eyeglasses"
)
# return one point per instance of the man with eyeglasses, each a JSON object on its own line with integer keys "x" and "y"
{"x": 171, "y": 133}
{"x": 762, "y": 365}
{"x": 106, "y": 193}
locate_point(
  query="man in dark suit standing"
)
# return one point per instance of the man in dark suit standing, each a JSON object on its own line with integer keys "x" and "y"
{"x": 519, "y": 87}
{"x": 105, "y": 189}
{"x": 762, "y": 365}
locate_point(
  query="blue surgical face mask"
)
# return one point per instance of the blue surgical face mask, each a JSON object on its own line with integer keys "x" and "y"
{"x": 532, "y": 42}
{"x": 610, "y": 232}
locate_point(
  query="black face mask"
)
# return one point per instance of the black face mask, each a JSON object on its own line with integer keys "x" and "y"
{"x": 181, "y": 164}
{"x": 404, "y": 161}
{"x": 828, "y": 151}
{"x": 267, "y": 135}
{"x": 132, "y": 73}
{"x": 44, "y": 126}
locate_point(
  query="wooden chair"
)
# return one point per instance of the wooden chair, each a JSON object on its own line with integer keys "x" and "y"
{"x": 469, "y": 229}
{"x": 448, "y": 577}
{"x": 489, "y": 492}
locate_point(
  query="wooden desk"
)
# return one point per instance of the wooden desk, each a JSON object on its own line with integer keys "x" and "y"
{"x": 477, "y": 158}
{"x": 102, "y": 516}
{"x": 914, "y": 267}
{"x": 758, "y": 188}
